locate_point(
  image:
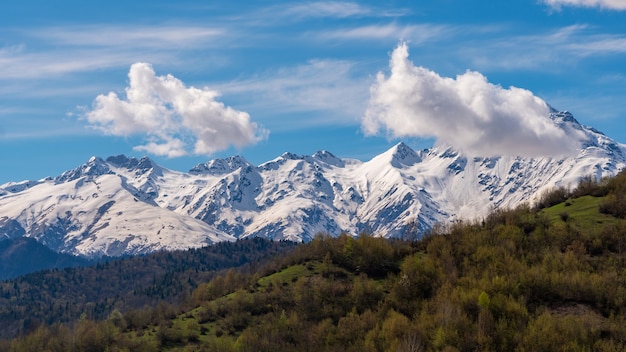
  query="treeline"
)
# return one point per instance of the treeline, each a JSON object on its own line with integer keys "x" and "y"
{"x": 64, "y": 295}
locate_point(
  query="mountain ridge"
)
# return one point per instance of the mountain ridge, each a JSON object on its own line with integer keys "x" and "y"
{"x": 125, "y": 206}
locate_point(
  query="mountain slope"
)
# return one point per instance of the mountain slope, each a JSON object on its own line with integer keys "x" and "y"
{"x": 91, "y": 211}
{"x": 123, "y": 205}
{"x": 474, "y": 185}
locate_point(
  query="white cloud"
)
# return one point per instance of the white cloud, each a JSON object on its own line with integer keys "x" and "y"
{"x": 468, "y": 112}
{"x": 171, "y": 147}
{"x": 172, "y": 116}
{"x": 606, "y": 4}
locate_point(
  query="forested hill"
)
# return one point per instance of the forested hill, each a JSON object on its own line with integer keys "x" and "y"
{"x": 529, "y": 279}
{"x": 55, "y": 296}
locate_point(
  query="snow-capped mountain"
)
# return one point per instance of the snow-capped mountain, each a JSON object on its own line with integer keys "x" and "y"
{"x": 122, "y": 205}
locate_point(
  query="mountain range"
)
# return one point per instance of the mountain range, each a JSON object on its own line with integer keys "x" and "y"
{"x": 126, "y": 206}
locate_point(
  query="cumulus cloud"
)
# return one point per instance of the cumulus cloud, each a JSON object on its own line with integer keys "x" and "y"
{"x": 468, "y": 112}
{"x": 175, "y": 120}
{"x": 606, "y": 4}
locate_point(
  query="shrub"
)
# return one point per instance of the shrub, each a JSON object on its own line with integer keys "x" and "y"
{"x": 552, "y": 197}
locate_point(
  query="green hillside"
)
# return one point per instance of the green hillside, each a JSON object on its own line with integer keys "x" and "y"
{"x": 584, "y": 210}
{"x": 164, "y": 278}
{"x": 551, "y": 278}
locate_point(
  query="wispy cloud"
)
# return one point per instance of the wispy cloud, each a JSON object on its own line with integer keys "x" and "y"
{"x": 176, "y": 120}
{"x": 47, "y": 64}
{"x": 330, "y": 86}
{"x": 604, "y": 4}
{"x": 334, "y": 9}
{"x": 598, "y": 45}
{"x": 468, "y": 112}
{"x": 327, "y": 9}
{"x": 46, "y": 52}
{"x": 8, "y": 134}
{"x": 126, "y": 36}
{"x": 415, "y": 33}
{"x": 548, "y": 50}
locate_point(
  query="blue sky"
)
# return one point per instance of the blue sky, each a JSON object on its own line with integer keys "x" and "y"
{"x": 187, "y": 81}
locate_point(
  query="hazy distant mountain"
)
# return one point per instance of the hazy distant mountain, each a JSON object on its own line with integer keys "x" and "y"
{"x": 121, "y": 205}
{"x": 24, "y": 255}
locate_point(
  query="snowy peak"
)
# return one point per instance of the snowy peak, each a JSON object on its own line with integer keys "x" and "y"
{"x": 403, "y": 155}
{"x": 280, "y": 161}
{"x": 142, "y": 165}
{"x": 327, "y": 158}
{"x": 291, "y": 156}
{"x": 577, "y": 132}
{"x": 399, "y": 156}
{"x": 218, "y": 167}
{"x": 563, "y": 116}
{"x": 93, "y": 168}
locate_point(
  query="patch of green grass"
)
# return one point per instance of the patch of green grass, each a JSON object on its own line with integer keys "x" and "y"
{"x": 289, "y": 274}
{"x": 584, "y": 211}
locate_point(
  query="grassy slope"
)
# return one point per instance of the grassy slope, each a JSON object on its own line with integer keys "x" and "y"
{"x": 191, "y": 323}
{"x": 583, "y": 210}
